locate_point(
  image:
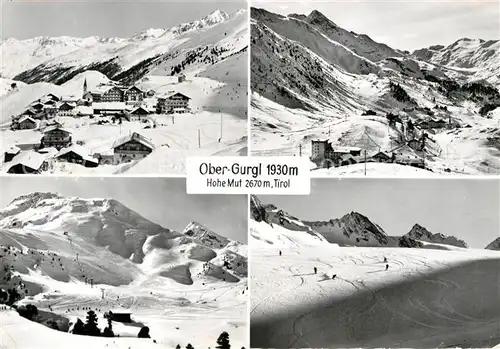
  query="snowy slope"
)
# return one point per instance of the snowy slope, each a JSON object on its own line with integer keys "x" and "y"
{"x": 312, "y": 79}
{"x": 494, "y": 245}
{"x": 168, "y": 280}
{"x": 426, "y": 299}
{"x": 59, "y": 59}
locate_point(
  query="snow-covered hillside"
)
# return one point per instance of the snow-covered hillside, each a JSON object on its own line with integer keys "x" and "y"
{"x": 313, "y": 80}
{"x": 425, "y": 299}
{"x": 494, "y": 245}
{"x": 67, "y": 255}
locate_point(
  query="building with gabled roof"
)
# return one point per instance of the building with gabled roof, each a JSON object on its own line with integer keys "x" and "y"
{"x": 77, "y": 154}
{"x": 55, "y": 136}
{"x": 29, "y": 162}
{"x": 168, "y": 102}
{"x": 26, "y": 122}
{"x": 10, "y": 153}
{"x": 133, "y": 95}
{"x": 131, "y": 147}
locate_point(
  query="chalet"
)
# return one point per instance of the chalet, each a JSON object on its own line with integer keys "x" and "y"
{"x": 29, "y": 163}
{"x": 119, "y": 316}
{"x": 381, "y": 157}
{"x": 138, "y": 113}
{"x": 167, "y": 103}
{"x": 150, "y": 93}
{"x": 51, "y": 97}
{"x": 66, "y": 108}
{"x": 26, "y": 123}
{"x": 78, "y": 155}
{"x": 29, "y": 112}
{"x": 10, "y": 153}
{"x": 131, "y": 147}
{"x": 112, "y": 94}
{"x": 133, "y": 95}
{"x": 104, "y": 93}
{"x": 109, "y": 108}
{"x": 55, "y": 136}
{"x": 181, "y": 78}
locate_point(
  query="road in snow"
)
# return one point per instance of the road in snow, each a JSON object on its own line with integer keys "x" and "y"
{"x": 426, "y": 299}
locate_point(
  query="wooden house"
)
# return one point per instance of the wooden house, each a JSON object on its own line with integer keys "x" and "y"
{"x": 109, "y": 108}
{"x": 381, "y": 157}
{"x": 138, "y": 114}
{"x": 10, "y": 153}
{"x": 78, "y": 155}
{"x": 28, "y": 163}
{"x": 119, "y": 316}
{"x": 133, "y": 95}
{"x": 57, "y": 137}
{"x": 26, "y": 123}
{"x": 131, "y": 147}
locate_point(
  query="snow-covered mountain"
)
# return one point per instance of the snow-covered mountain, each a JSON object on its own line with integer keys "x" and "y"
{"x": 277, "y": 227}
{"x": 352, "y": 229}
{"x": 420, "y": 233}
{"x": 494, "y": 245}
{"x": 111, "y": 227}
{"x": 475, "y": 57}
{"x": 312, "y": 79}
{"x": 58, "y": 59}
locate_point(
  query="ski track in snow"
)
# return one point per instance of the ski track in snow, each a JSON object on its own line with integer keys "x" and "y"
{"x": 286, "y": 313}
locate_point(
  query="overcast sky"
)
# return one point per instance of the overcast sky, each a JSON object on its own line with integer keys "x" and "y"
{"x": 467, "y": 209}
{"x": 124, "y": 18}
{"x": 404, "y": 24}
{"x": 161, "y": 200}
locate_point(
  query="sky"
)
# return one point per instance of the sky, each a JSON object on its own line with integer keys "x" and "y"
{"x": 465, "y": 208}
{"x": 404, "y": 24}
{"x": 161, "y": 200}
{"x": 124, "y": 18}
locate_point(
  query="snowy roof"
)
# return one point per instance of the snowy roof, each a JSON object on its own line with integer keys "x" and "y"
{"x": 13, "y": 150}
{"x": 109, "y": 105}
{"x": 102, "y": 89}
{"x": 83, "y": 110}
{"x": 49, "y": 151}
{"x": 134, "y": 88}
{"x": 29, "y": 159}
{"x": 55, "y": 127}
{"x": 167, "y": 95}
{"x": 138, "y": 108}
{"x": 26, "y": 118}
{"x": 77, "y": 149}
{"x": 133, "y": 137}
{"x": 345, "y": 149}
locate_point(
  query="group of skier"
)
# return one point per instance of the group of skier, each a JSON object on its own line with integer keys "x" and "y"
{"x": 335, "y": 275}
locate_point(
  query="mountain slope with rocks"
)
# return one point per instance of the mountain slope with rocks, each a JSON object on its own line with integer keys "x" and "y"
{"x": 312, "y": 79}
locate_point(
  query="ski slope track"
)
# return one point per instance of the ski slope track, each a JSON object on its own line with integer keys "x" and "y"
{"x": 426, "y": 299}
{"x": 187, "y": 287}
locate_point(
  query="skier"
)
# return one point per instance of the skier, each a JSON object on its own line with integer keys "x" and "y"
{"x": 385, "y": 259}
{"x": 280, "y": 253}
{"x": 386, "y": 266}
{"x": 334, "y": 276}
{"x": 315, "y": 270}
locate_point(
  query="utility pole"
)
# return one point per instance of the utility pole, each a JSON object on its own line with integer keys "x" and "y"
{"x": 365, "y": 162}
{"x": 102, "y": 293}
{"x": 220, "y": 125}
{"x": 300, "y": 149}
{"x": 77, "y": 257}
{"x": 173, "y": 120}
{"x": 199, "y": 140}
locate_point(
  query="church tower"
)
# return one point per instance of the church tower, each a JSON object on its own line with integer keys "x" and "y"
{"x": 85, "y": 87}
